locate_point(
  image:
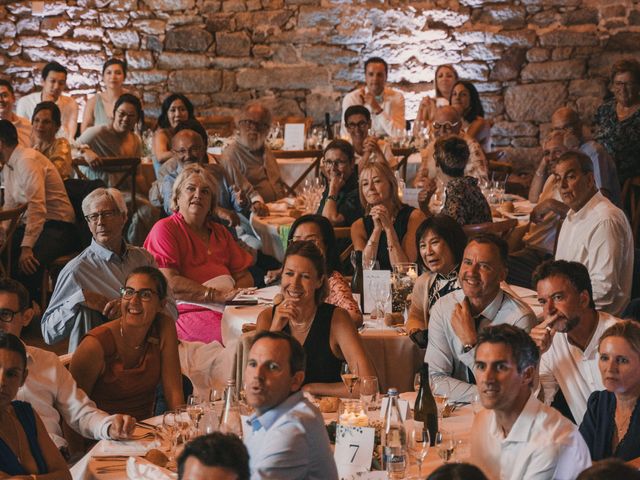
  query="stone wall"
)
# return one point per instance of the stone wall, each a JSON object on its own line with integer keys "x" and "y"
{"x": 527, "y": 57}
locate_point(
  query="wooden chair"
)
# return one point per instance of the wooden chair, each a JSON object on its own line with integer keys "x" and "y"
{"x": 499, "y": 170}
{"x": 401, "y": 166}
{"x": 502, "y": 228}
{"x": 50, "y": 275}
{"x": 314, "y": 166}
{"x": 128, "y": 166}
{"x": 12, "y": 218}
{"x": 631, "y": 203}
{"x": 221, "y": 125}
{"x": 344, "y": 233}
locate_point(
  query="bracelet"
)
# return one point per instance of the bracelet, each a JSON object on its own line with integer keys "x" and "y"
{"x": 208, "y": 295}
{"x": 332, "y": 197}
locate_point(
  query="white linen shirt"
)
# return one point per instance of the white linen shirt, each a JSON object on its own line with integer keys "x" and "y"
{"x": 599, "y": 236}
{"x": 68, "y": 112}
{"x": 23, "y": 127}
{"x": 542, "y": 444}
{"x": 51, "y": 391}
{"x": 445, "y": 355}
{"x": 574, "y": 371}
{"x": 29, "y": 177}
{"x": 391, "y": 117}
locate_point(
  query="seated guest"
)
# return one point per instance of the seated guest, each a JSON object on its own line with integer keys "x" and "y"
{"x": 608, "y": 469}
{"x": 448, "y": 121}
{"x": 458, "y": 318}
{"x": 216, "y": 456}
{"x": 611, "y": 426}
{"x": 569, "y": 333}
{"x": 49, "y": 387}
{"x": 7, "y": 101}
{"x": 443, "y": 81}
{"x": 120, "y": 364}
{"x": 327, "y": 333}
{"x": 286, "y": 436}
{"x": 120, "y": 140}
{"x": 47, "y": 230}
{"x": 466, "y": 99}
{"x": 516, "y": 436}
{"x": 87, "y": 292}
{"x": 464, "y": 200}
{"x": 385, "y": 104}
{"x": 566, "y": 119}
{"x": 175, "y": 108}
{"x": 99, "y": 108}
{"x": 54, "y": 81}
{"x": 387, "y": 234}
{"x": 367, "y": 147}
{"x": 26, "y": 451}
{"x": 250, "y": 156}
{"x": 199, "y": 257}
{"x": 539, "y": 241}
{"x": 318, "y": 230}
{"x": 44, "y": 125}
{"x": 617, "y": 121}
{"x": 595, "y": 233}
{"x": 457, "y": 471}
{"x": 340, "y": 201}
{"x": 441, "y": 243}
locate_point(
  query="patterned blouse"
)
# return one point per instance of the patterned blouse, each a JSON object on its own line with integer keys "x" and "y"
{"x": 465, "y": 202}
{"x": 620, "y": 138}
{"x": 340, "y": 295}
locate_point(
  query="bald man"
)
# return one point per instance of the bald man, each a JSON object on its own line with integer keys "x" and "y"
{"x": 448, "y": 121}
{"x": 604, "y": 168}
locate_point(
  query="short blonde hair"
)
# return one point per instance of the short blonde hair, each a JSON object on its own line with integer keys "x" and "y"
{"x": 195, "y": 170}
{"x": 627, "y": 329}
{"x": 384, "y": 170}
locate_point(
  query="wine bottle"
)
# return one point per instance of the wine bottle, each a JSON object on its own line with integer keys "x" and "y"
{"x": 327, "y": 125}
{"x": 425, "y": 409}
{"x": 357, "y": 281}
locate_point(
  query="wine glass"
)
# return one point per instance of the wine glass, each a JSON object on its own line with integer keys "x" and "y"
{"x": 418, "y": 442}
{"x": 349, "y": 377}
{"x": 416, "y": 382}
{"x": 369, "y": 391}
{"x": 194, "y": 409}
{"x": 170, "y": 432}
{"x": 439, "y": 390}
{"x": 445, "y": 445}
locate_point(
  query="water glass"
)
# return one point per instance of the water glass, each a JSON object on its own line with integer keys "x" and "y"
{"x": 476, "y": 404}
{"x": 418, "y": 443}
{"x": 445, "y": 445}
{"x": 369, "y": 390}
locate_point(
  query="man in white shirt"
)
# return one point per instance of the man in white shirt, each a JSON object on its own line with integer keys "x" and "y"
{"x": 518, "y": 437}
{"x": 7, "y": 101}
{"x": 54, "y": 81}
{"x": 457, "y": 318}
{"x": 385, "y": 104}
{"x": 48, "y": 231}
{"x": 595, "y": 233}
{"x": 49, "y": 387}
{"x": 568, "y": 336}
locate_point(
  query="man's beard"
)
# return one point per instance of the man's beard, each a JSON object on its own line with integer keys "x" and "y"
{"x": 253, "y": 145}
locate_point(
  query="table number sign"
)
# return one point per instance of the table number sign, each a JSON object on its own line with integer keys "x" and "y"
{"x": 294, "y": 136}
{"x": 376, "y": 286}
{"x": 354, "y": 449}
{"x": 410, "y": 196}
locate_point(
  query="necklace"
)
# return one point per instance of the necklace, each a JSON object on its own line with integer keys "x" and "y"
{"x": 138, "y": 347}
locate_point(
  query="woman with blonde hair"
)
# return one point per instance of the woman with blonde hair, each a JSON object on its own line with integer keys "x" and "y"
{"x": 200, "y": 259}
{"x": 387, "y": 233}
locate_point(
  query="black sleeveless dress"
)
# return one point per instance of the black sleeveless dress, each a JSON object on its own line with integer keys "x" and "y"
{"x": 322, "y": 365}
{"x": 400, "y": 225}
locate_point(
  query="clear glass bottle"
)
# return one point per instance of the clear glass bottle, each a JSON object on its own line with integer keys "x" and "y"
{"x": 394, "y": 439}
{"x": 230, "y": 421}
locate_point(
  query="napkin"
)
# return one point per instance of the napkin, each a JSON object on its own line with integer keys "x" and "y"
{"x": 142, "y": 469}
{"x": 126, "y": 447}
{"x": 278, "y": 207}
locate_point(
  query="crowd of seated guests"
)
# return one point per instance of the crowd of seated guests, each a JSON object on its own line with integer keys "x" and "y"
{"x": 115, "y": 302}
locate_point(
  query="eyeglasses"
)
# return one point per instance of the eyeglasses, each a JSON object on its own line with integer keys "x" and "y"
{"x": 105, "y": 214}
{"x": 360, "y": 125}
{"x": 145, "y": 294}
{"x": 7, "y": 315}
{"x": 447, "y": 126}
{"x": 258, "y": 126}
{"x": 191, "y": 151}
{"x": 621, "y": 85}
{"x": 334, "y": 163}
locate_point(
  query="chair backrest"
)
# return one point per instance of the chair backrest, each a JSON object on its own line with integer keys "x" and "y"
{"x": 631, "y": 203}
{"x": 344, "y": 233}
{"x": 11, "y": 217}
{"x": 501, "y": 228}
{"x": 222, "y": 125}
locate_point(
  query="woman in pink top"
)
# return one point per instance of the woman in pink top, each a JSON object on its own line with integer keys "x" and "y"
{"x": 199, "y": 257}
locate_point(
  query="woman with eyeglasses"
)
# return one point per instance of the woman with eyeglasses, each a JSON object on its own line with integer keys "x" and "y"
{"x": 175, "y": 108}
{"x": 119, "y": 364}
{"x": 340, "y": 202}
{"x": 99, "y": 108}
{"x": 617, "y": 121}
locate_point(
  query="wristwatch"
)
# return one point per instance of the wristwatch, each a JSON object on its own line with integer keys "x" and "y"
{"x": 467, "y": 348}
{"x": 332, "y": 197}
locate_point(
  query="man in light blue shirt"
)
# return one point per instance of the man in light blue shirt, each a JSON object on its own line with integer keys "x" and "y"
{"x": 87, "y": 292}
{"x": 286, "y": 436}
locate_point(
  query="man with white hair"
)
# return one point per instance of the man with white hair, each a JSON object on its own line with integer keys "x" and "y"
{"x": 87, "y": 292}
{"x": 250, "y": 156}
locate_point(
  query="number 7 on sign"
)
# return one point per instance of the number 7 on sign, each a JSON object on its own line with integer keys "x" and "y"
{"x": 356, "y": 447}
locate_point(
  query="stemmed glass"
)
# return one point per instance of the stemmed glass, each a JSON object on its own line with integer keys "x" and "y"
{"x": 170, "y": 432}
{"x": 446, "y": 445}
{"x": 439, "y": 197}
{"x": 369, "y": 391}
{"x": 195, "y": 409}
{"x": 418, "y": 442}
{"x": 438, "y": 388}
{"x": 349, "y": 377}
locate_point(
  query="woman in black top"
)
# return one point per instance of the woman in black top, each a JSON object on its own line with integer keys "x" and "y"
{"x": 387, "y": 233}
{"x": 611, "y": 425}
{"x": 325, "y": 331}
